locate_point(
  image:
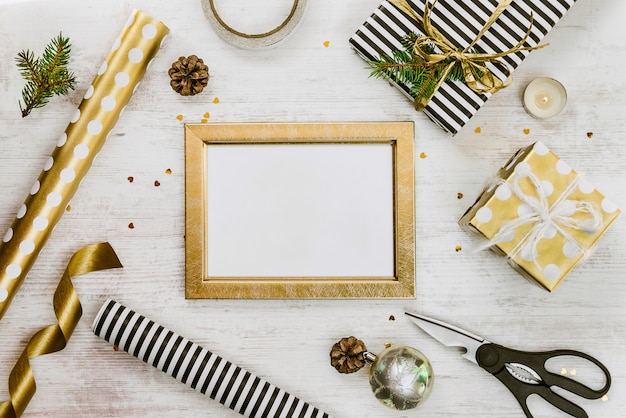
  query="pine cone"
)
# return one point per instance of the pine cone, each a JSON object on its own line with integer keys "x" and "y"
{"x": 189, "y": 75}
{"x": 347, "y": 355}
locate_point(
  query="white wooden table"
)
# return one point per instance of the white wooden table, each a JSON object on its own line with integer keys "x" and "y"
{"x": 288, "y": 341}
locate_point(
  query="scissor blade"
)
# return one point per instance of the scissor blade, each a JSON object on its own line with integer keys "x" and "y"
{"x": 449, "y": 335}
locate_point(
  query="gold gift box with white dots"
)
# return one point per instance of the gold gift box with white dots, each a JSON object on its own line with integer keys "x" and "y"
{"x": 103, "y": 102}
{"x": 541, "y": 214}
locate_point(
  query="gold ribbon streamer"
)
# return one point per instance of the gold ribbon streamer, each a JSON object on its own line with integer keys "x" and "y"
{"x": 53, "y": 338}
{"x": 478, "y": 76}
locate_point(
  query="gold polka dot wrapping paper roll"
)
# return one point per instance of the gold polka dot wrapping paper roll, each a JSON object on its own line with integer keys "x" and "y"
{"x": 104, "y": 100}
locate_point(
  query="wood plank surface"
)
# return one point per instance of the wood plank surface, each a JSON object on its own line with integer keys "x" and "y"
{"x": 287, "y": 342}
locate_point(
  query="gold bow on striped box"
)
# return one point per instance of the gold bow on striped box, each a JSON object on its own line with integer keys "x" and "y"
{"x": 491, "y": 38}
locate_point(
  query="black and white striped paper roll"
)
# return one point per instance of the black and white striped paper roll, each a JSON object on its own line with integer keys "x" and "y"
{"x": 197, "y": 367}
{"x": 460, "y": 21}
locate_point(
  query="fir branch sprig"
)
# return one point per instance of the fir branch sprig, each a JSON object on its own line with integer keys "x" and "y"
{"x": 410, "y": 69}
{"x": 45, "y": 76}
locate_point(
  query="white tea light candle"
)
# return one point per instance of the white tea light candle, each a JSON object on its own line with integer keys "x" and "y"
{"x": 544, "y": 97}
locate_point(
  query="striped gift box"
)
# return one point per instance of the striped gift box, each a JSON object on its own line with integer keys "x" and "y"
{"x": 196, "y": 366}
{"x": 460, "y": 21}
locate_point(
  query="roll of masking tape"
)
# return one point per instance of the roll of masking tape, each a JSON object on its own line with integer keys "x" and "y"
{"x": 243, "y": 40}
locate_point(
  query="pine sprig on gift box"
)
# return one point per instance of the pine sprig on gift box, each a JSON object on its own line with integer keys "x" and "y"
{"x": 406, "y": 67}
{"x": 45, "y": 76}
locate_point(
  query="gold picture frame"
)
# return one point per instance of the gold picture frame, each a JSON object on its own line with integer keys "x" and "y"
{"x": 399, "y": 285}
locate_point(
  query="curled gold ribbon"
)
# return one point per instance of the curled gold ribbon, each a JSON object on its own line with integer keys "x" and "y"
{"x": 53, "y": 338}
{"x": 478, "y": 76}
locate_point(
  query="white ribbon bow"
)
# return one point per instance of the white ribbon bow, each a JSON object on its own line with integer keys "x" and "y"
{"x": 544, "y": 217}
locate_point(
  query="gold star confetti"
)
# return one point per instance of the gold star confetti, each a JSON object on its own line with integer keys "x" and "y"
{"x": 526, "y": 131}
{"x": 387, "y": 345}
{"x": 457, "y": 248}
{"x": 326, "y": 44}
{"x": 572, "y": 372}
{"x": 477, "y": 130}
{"x": 68, "y": 208}
{"x": 203, "y": 121}
{"x": 589, "y": 135}
{"x": 206, "y": 115}
{"x": 216, "y": 100}
{"x": 563, "y": 371}
{"x": 392, "y": 318}
{"x": 459, "y": 195}
{"x": 179, "y": 117}
{"x": 168, "y": 171}
{"x": 423, "y": 155}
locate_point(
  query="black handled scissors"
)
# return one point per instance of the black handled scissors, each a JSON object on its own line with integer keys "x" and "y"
{"x": 522, "y": 372}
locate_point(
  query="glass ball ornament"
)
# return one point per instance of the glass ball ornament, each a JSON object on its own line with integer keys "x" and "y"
{"x": 401, "y": 377}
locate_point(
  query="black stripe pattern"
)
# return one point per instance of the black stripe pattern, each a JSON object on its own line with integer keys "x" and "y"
{"x": 197, "y": 367}
{"x": 460, "y": 21}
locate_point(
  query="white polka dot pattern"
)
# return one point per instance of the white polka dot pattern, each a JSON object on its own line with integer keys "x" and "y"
{"x": 585, "y": 187}
{"x": 76, "y": 148}
{"x": 81, "y": 151}
{"x": 540, "y": 148}
{"x": 549, "y": 232}
{"x": 547, "y": 188}
{"x": 484, "y": 215}
{"x": 130, "y": 20}
{"x": 94, "y": 127}
{"x": 525, "y": 210}
{"x": 122, "y": 79}
{"x": 40, "y": 223}
{"x": 54, "y": 199}
{"x": 503, "y": 192}
{"x": 522, "y": 169}
{"x": 571, "y": 250}
{"x": 89, "y": 93}
{"x": 13, "y": 271}
{"x": 116, "y": 45}
{"x": 563, "y": 168}
{"x": 68, "y": 175}
{"x": 35, "y": 188}
{"x": 508, "y": 236}
{"x": 552, "y": 272}
{"x": 8, "y": 235}
{"x": 135, "y": 55}
{"x": 21, "y": 212}
{"x": 608, "y": 206}
{"x": 48, "y": 164}
{"x": 543, "y": 215}
{"x": 527, "y": 253}
{"x": 27, "y": 247}
{"x": 107, "y": 103}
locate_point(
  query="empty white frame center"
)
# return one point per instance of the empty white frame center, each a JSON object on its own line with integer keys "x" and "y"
{"x": 300, "y": 210}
